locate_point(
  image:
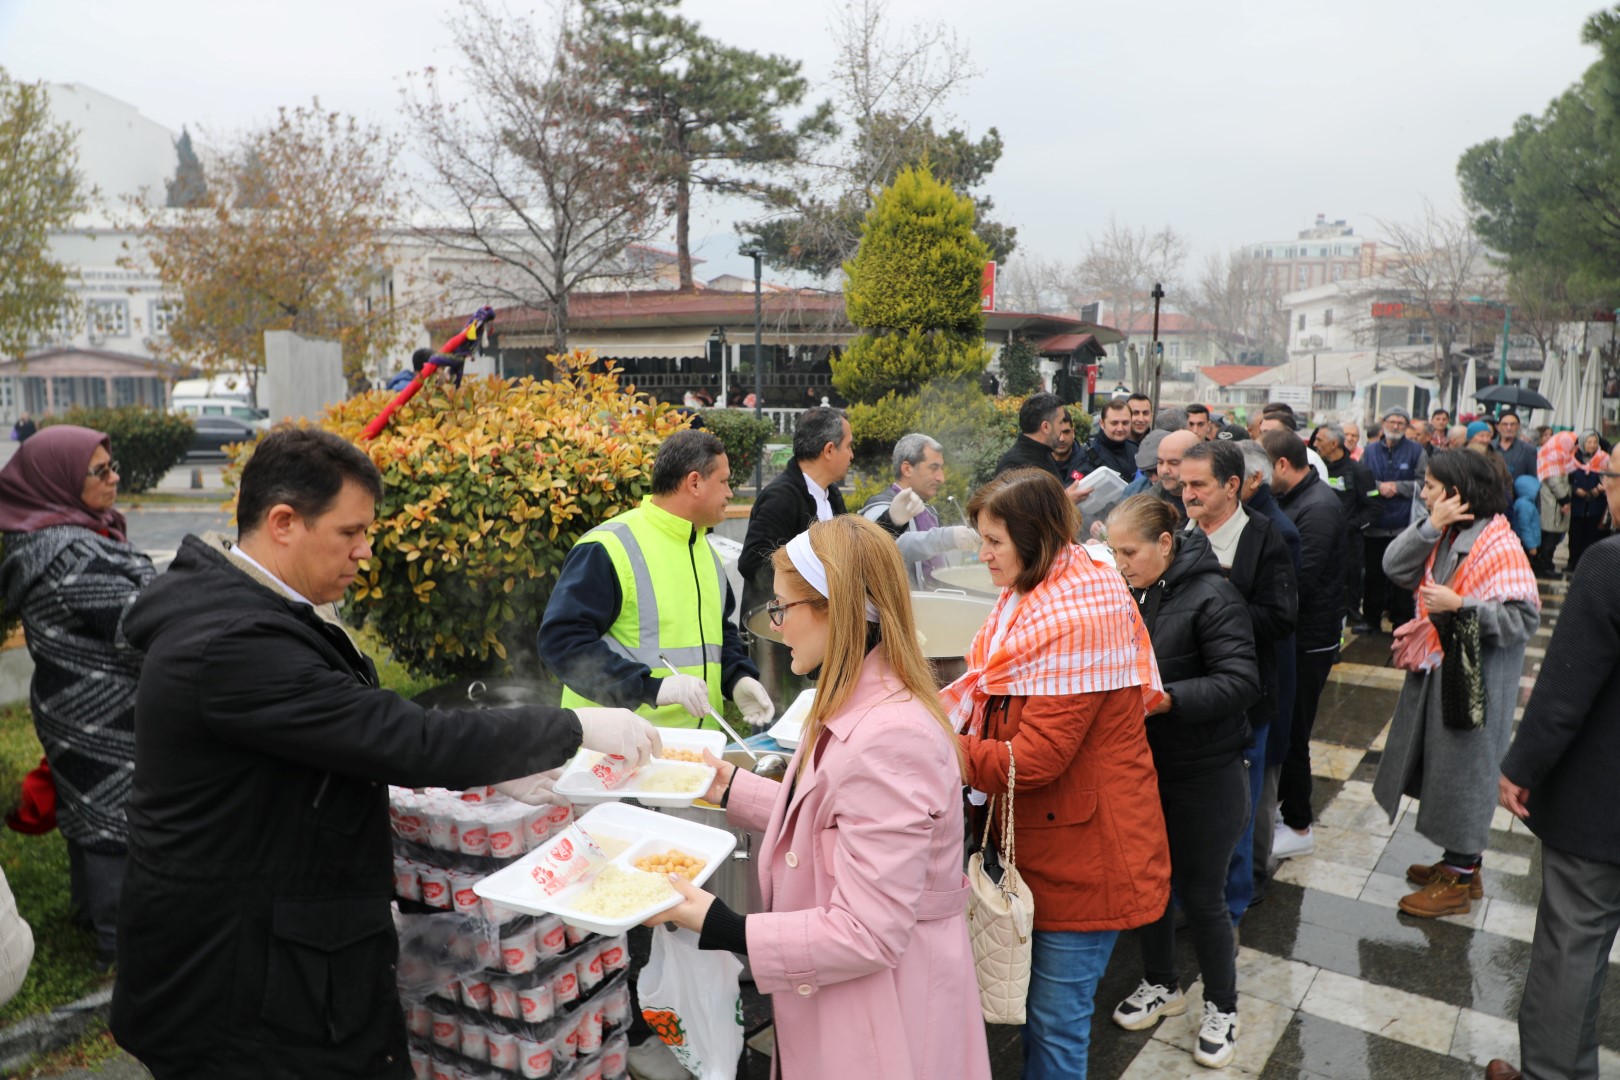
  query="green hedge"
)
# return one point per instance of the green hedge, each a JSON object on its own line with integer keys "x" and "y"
{"x": 745, "y": 436}
{"x": 146, "y": 442}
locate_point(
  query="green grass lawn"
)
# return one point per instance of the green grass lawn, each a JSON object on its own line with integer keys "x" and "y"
{"x": 36, "y": 868}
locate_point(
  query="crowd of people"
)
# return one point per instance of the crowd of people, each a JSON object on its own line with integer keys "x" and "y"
{"x": 1143, "y": 692}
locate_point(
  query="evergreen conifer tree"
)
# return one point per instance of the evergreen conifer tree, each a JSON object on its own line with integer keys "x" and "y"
{"x": 189, "y": 186}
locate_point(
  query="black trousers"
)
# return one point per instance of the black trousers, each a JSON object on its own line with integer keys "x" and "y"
{"x": 1204, "y": 817}
{"x": 1583, "y": 533}
{"x": 1294, "y": 782}
{"x": 1354, "y": 571}
{"x": 1379, "y": 594}
{"x": 1543, "y": 562}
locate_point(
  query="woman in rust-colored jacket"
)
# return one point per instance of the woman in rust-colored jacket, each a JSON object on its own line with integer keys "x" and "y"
{"x": 1063, "y": 672}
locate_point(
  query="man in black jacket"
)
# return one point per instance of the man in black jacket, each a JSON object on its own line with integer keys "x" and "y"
{"x": 255, "y": 933}
{"x": 1316, "y": 512}
{"x": 1256, "y": 562}
{"x": 1559, "y": 777}
{"x": 804, "y": 492}
{"x": 1111, "y": 446}
{"x": 1038, "y": 420}
{"x": 1353, "y": 482}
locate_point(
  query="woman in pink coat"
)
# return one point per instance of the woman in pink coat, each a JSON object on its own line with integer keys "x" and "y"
{"x": 863, "y": 941}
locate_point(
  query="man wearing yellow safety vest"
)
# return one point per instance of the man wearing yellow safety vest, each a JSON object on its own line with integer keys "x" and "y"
{"x": 642, "y": 585}
{"x": 647, "y": 584}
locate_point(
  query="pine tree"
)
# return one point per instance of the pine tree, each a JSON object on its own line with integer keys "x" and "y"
{"x": 189, "y": 186}
{"x": 914, "y": 289}
{"x": 715, "y": 112}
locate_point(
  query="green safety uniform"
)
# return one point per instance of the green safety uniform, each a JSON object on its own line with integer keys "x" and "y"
{"x": 673, "y": 591}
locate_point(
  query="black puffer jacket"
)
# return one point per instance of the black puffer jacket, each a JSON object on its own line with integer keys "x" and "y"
{"x": 1204, "y": 644}
{"x": 255, "y": 937}
{"x": 1318, "y": 514}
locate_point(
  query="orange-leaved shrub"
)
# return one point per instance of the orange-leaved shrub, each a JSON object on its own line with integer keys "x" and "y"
{"x": 486, "y": 487}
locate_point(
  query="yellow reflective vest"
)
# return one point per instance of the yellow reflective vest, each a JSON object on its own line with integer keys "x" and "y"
{"x": 672, "y": 590}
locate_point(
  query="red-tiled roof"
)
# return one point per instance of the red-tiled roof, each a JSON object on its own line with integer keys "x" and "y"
{"x": 1227, "y": 374}
{"x": 1067, "y": 343}
{"x": 1170, "y": 322}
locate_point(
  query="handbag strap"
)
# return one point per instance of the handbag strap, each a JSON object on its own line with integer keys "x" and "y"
{"x": 1009, "y": 860}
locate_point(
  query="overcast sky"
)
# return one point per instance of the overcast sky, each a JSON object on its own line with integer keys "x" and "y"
{"x": 1231, "y": 122}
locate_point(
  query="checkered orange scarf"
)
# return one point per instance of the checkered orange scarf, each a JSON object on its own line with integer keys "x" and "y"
{"x": 1077, "y": 632}
{"x": 1495, "y": 568}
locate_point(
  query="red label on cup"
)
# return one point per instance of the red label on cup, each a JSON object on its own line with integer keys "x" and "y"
{"x": 502, "y": 842}
{"x": 553, "y": 940}
{"x": 433, "y": 891}
{"x": 612, "y": 957}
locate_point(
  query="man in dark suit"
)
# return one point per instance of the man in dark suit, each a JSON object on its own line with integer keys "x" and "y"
{"x": 1038, "y": 419}
{"x": 804, "y": 492}
{"x": 1316, "y": 512}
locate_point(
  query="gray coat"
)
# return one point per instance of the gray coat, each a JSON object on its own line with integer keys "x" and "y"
{"x": 1452, "y": 772}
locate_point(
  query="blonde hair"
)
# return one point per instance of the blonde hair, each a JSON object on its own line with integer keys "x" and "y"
{"x": 863, "y": 564}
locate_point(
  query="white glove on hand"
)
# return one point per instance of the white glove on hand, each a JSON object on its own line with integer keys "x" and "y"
{"x": 906, "y": 505}
{"x": 535, "y": 790}
{"x": 964, "y": 538}
{"x": 754, "y": 702}
{"x": 688, "y": 691}
{"x": 619, "y": 731}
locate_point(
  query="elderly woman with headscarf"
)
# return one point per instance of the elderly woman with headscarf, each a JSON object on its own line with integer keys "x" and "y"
{"x": 70, "y": 572}
{"x": 1555, "y": 460}
{"x": 1587, "y": 504}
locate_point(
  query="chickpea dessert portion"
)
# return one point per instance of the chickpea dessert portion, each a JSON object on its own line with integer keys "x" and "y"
{"x": 672, "y": 862}
{"x": 672, "y": 754}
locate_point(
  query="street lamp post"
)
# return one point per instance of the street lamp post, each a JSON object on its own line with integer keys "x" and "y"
{"x": 759, "y": 363}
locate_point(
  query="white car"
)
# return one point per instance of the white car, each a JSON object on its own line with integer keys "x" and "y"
{"x": 196, "y": 408}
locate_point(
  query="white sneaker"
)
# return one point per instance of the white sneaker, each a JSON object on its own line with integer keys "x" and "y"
{"x": 1217, "y": 1038}
{"x": 1286, "y": 843}
{"x": 1148, "y": 1005}
{"x": 652, "y": 1060}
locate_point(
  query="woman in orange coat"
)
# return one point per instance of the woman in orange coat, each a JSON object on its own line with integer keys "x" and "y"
{"x": 1060, "y": 678}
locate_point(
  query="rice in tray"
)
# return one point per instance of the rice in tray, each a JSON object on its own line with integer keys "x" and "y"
{"x": 618, "y": 892}
{"x": 670, "y": 778}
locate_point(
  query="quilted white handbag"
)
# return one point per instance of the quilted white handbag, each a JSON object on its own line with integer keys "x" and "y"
{"x": 1001, "y": 920}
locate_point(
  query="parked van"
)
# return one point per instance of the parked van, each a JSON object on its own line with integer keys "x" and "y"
{"x": 230, "y": 387}
{"x": 195, "y": 407}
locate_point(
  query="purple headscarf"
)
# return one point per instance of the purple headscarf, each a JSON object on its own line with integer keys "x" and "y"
{"x": 43, "y": 483}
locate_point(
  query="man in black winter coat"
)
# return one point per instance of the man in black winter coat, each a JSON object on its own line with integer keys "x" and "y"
{"x": 1038, "y": 420}
{"x": 1316, "y": 512}
{"x": 255, "y": 934}
{"x": 1257, "y": 563}
{"x": 1559, "y": 777}
{"x": 1353, "y": 482}
{"x": 1112, "y": 446}
{"x": 803, "y": 493}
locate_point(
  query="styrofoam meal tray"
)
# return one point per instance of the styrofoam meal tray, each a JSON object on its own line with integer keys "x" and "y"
{"x": 649, "y": 833}
{"x": 576, "y": 783}
{"x": 789, "y": 731}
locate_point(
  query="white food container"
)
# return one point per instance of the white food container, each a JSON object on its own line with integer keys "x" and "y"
{"x": 648, "y": 832}
{"x": 789, "y": 731}
{"x": 577, "y": 784}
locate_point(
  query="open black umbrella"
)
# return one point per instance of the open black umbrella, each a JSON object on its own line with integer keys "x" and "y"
{"x": 1518, "y": 396}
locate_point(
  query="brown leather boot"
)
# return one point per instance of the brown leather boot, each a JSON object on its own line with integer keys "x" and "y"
{"x": 1443, "y": 895}
{"x": 1420, "y": 873}
{"x": 1501, "y": 1070}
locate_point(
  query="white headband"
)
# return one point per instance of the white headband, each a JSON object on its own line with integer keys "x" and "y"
{"x": 809, "y": 566}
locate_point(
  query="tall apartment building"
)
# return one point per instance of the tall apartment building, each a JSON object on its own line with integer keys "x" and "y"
{"x": 1324, "y": 254}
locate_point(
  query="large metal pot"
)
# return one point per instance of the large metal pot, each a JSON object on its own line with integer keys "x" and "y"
{"x": 947, "y": 621}
{"x": 972, "y": 578}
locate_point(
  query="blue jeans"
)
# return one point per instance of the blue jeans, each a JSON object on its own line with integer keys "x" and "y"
{"x": 1240, "y": 872}
{"x": 1065, "y": 967}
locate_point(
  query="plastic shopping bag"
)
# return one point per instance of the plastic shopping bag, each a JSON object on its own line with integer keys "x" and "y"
{"x": 690, "y": 998}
